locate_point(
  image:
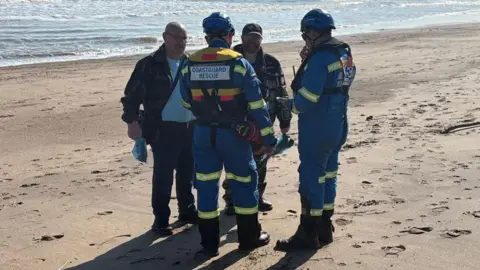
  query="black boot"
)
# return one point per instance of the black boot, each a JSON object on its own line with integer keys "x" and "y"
{"x": 229, "y": 209}
{"x": 305, "y": 237}
{"x": 161, "y": 229}
{"x": 210, "y": 236}
{"x": 263, "y": 204}
{"x": 227, "y": 197}
{"x": 250, "y": 234}
{"x": 325, "y": 229}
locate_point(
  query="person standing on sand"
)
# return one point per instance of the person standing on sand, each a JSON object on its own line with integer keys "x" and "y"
{"x": 220, "y": 87}
{"x": 270, "y": 74}
{"x": 166, "y": 125}
{"x": 321, "y": 98}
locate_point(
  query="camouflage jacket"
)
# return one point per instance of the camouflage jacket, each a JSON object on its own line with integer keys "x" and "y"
{"x": 272, "y": 79}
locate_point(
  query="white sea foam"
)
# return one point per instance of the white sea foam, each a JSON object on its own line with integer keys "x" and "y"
{"x": 56, "y": 30}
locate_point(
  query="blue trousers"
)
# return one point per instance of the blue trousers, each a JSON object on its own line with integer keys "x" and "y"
{"x": 212, "y": 154}
{"x": 321, "y": 135}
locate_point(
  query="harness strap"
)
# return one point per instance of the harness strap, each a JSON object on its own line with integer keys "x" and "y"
{"x": 215, "y": 111}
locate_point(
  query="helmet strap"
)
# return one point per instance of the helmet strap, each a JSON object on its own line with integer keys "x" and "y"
{"x": 311, "y": 41}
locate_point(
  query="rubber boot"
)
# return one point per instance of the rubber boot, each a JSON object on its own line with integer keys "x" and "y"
{"x": 263, "y": 204}
{"x": 250, "y": 234}
{"x": 306, "y": 236}
{"x": 227, "y": 197}
{"x": 325, "y": 229}
{"x": 210, "y": 236}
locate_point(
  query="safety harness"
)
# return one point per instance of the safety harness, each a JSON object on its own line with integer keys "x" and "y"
{"x": 332, "y": 44}
{"x": 209, "y": 110}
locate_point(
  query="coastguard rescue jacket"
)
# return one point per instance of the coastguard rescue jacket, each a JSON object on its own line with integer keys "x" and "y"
{"x": 221, "y": 88}
{"x": 328, "y": 70}
{"x": 270, "y": 73}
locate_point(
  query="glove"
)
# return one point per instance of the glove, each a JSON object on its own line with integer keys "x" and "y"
{"x": 139, "y": 150}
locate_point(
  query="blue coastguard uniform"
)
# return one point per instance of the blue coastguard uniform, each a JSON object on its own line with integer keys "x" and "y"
{"x": 221, "y": 89}
{"x": 320, "y": 100}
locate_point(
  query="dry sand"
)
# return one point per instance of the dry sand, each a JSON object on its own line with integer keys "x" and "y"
{"x": 408, "y": 197}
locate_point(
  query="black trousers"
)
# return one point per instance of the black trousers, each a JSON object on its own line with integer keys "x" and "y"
{"x": 172, "y": 151}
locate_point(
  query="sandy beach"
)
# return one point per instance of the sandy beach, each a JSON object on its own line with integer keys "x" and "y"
{"x": 72, "y": 195}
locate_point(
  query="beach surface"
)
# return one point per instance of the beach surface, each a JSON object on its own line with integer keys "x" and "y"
{"x": 72, "y": 195}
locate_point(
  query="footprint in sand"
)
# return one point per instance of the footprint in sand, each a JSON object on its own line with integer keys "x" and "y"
{"x": 369, "y": 203}
{"x": 474, "y": 213}
{"x": 367, "y": 184}
{"x": 417, "y": 230}
{"x": 50, "y": 237}
{"x": 455, "y": 233}
{"x": 343, "y": 221}
{"x": 440, "y": 209}
{"x": 398, "y": 200}
{"x": 351, "y": 160}
{"x": 393, "y": 250}
{"x": 105, "y": 213}
{"x": 29, "y": 185}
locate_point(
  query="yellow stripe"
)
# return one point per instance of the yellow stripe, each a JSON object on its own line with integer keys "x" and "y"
{"x": 240, "y": 70}
{"x": 209, "y": 215}
{"x": 321, "y": 180}
{"x": 221, "y": 92}
{"x": 328, "y": 206}
{"x": 266, "y": 131}
{"x": 185, "y": 70}
{"x": 308, "y": 95}
{"x": 208, "y": 176}
{"x": 313, "y": 212}
{"x": 335, "y": 66}
{"x": 185, "y": 104}
{"x": 259, "y": 104}
{"x": 331, "y": 174}
{"x": 316, "y": 212}
{"x": 243, "y": 179}
{"x": 246, "y": 211}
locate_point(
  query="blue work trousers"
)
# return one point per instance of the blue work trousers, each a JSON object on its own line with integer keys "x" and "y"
{"x": 215, "y": 149}
{"x": 321, "y": 135}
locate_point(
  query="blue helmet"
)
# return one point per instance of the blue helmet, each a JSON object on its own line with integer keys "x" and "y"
{"x": 317, "y": 19}
{"x": 218, "y": 24}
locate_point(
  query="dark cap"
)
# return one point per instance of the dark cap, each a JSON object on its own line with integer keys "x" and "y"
{"x": 252, "y": 28}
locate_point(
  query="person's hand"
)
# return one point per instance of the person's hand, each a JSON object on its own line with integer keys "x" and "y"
{"x": 134, "y": 130}
{"x": 285, "y": 130}
{"x": 305, "y": 51}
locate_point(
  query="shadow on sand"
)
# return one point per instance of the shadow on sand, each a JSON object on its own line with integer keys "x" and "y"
{"x": 178, "y": 251}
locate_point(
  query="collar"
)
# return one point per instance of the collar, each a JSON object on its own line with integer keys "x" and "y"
{"x": 218, "y": 43}
{"x": 160, "y": 55}
{"x": 260, "y": 55}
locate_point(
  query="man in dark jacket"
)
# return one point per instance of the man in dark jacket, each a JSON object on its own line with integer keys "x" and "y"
{"x": 165, "y": 124}
{"x": 269, "y": 71}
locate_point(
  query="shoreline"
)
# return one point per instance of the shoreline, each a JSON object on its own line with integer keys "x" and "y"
{"x": 73, "y": 195}
{"x": 265, "y": 44}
